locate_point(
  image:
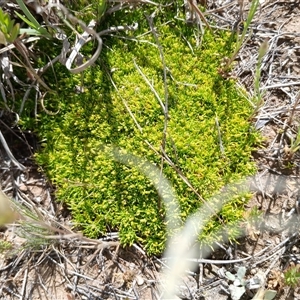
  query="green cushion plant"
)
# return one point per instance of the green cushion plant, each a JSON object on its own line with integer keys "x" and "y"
{"x": 204, "y": 110}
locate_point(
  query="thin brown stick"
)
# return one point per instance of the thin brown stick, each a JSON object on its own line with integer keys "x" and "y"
{"x": 196, "y": 9}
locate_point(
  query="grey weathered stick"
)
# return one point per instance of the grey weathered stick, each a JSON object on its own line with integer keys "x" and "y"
{"x": 10, "y": 155}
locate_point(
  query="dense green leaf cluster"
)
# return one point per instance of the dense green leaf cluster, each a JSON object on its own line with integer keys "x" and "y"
{"x": 204, "y": 108}
{"x": 8, "y": 29}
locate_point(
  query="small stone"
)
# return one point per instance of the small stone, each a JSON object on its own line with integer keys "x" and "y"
{"x": 253, "y": 271}
{"x": 140, "y": 280}
{"x": 23, "y": 188}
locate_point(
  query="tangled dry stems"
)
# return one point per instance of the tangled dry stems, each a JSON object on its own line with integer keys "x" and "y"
{"x": 70, "y": 258}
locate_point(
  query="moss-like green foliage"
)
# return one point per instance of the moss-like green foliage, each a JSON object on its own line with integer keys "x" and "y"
{"x": 105, "y": 195}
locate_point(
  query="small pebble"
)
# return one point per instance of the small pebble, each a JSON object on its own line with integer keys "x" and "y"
{"x": 140, "y": 280}
{"x": 253, "y": 271}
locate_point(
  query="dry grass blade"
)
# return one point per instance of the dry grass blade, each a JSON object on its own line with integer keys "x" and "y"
{"x": 9, "y": 153}
{"x": 192, "y": 4}
{"x": 20, "y": 46}
{"x": 7, "y": 213}
{"x": 69, "y": 266}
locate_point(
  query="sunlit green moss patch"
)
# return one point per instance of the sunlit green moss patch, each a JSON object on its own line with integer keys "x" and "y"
{"x": 208, "y": 137}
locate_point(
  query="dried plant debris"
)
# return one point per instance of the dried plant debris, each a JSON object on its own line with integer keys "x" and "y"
{"x": 46, "y": 259}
